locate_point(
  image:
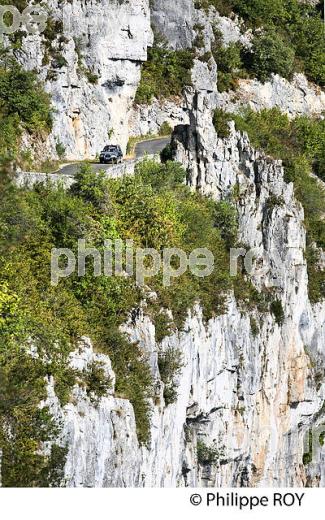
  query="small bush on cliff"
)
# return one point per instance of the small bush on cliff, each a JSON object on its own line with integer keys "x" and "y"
{"x": 220, "y": 123}
{"x": 95, "y": 380}
{"x": 207, "y": 455}
{"x": 277, "y": 311}
{"x": 170, "y": 365}
{"x": 165, "y": 74}
{"x": 271, "y": 54}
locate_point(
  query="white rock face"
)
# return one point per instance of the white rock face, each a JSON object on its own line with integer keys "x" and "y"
{"x": 251, "y": 397}
{"x": 298, "y": 97}
{"x": 175, "y": 21}
{"x": 108, "y": 38}
{"x": 148, "y": 119}
{"x": 101, "y": 436}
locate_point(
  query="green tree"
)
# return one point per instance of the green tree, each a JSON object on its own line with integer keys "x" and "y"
{"x": 271, "y": 55}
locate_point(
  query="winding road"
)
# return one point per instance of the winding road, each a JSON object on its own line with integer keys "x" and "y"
{"x": 150, "y": 147}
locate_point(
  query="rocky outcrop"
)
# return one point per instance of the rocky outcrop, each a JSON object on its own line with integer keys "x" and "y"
{"x": 148, "y": 119}
{"x": 91, "y": 63}
{"x": 298, "y": 97}
{"x": 174, "y": 21}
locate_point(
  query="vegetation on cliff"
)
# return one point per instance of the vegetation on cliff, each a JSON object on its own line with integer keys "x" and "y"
{"x": 288, "y": 36}
{"x": 165, "y": 73}
{"x": 154, "y": 209}
{"x": 24, "y": 107}
{"x": 300, "y": 143}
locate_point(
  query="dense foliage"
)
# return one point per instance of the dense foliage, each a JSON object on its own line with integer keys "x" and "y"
{"x": 24, "y": 106}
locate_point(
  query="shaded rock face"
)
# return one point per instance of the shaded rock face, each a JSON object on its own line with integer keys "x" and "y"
{"x": 101, "y": 45}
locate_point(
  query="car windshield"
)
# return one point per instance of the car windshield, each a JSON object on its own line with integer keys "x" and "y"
{"x": 109, "y": 149}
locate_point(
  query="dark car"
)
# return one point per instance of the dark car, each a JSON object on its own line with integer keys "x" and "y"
{"x": 111, "y": 154}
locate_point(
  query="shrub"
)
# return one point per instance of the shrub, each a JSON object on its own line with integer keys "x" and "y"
{"x": 229, "y": 61}
{"x": 97, "y": 384}
{"x": 24, "y": 106}
{"x": 220, "y": 123}
{"x": 170, "y": 364}
{"x": 163, "y": 324}
{"x": 277, "y": 311}
{"x": 207, "y": 455}
{"x": 267, "y": 129}
{"x": 226, "y": 222}
{"x": 60, "y": 149}
{"x": 254, "y": 327}
{"x": 165, "y": 74}
{"x": 271, "y": 55}
{"x": 165, "y": 129}
{"x": 316, "y": 275}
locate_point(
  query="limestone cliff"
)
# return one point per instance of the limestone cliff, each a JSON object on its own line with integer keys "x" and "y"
{"x": 90, "y": 59}
{"x": 252, "y": 394}
{"x": 251, "y": 388}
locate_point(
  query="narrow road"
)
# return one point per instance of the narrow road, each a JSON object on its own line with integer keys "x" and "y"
{"x": 151, "y": 147}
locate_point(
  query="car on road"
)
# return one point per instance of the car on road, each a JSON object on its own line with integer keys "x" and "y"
{"x": 111, "y": 154}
